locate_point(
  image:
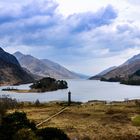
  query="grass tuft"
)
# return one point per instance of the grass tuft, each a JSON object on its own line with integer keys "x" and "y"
{"x": 136, "y": 120}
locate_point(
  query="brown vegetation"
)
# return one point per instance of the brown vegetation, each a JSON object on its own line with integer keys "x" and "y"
{"x": 89, "y": 121}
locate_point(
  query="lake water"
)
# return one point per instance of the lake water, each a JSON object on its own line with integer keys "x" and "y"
{"x": 82, "y": 90}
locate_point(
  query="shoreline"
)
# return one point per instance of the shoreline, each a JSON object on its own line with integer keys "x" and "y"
{"x": 87, "y": 102}
{"x": 27, "y": 91}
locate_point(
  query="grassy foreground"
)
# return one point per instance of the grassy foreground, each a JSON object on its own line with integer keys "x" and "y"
{"x": 90, "y": 121}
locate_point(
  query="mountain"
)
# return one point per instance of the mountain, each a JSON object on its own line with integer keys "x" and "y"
{"x": 44, "y": 67}
{"x": 133, "y": 79}
{"x": 107, "y": 70}
{"x": 83, "y": 76}
{"x": 133, "y": 59}
{"x": 124, "y": 71}
{"x": 8, "y": 57}
{"x": 99, "y": 75}
{"x": 10, "y": 70}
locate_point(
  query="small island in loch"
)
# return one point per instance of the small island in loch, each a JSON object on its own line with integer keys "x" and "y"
{"x": 43, "y": 85}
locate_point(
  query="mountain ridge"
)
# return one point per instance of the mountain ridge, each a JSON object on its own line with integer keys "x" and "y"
{"x": 44, "y": 67}
{"x": 99, "y": 75}
{"x": 11, "y": 72}
{"x": 125, "y": 72}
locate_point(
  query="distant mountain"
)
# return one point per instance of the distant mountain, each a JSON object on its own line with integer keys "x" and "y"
{"x": 44, "y": 67}
{"x": 106, "y": 71}
{"x": 83, "y": 76}
{"x": 126, "y": 70}
{"x": 133, "y": 59}
{"x": 99, "y": 75}
{"x": 10, "y": 70}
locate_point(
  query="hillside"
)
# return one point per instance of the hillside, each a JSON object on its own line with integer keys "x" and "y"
{"x": 133, "y": 79}
{"x": 99, "y": 75}
{"x": 127, "y": 73}
{"x": 124, "y": 71}
{"x": 10, "y": 70}
{"x": 44, "y": 67}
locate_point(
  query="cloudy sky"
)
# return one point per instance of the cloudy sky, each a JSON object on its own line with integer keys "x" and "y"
{"x": 86, "y": 36}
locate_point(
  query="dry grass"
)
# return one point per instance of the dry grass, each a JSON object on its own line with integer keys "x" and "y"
{"x": 90, "y": 121}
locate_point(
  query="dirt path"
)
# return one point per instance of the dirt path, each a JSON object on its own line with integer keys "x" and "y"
{"x": 48, "y": 119}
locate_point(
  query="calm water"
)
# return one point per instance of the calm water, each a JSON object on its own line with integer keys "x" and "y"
{"x": 82, "y": 90}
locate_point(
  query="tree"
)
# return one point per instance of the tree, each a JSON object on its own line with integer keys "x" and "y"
{"x": 49, "y": 84}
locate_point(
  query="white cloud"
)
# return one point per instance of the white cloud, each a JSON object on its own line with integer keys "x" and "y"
{"x": 92, "y": 33}
{"x": 135, "y": 2}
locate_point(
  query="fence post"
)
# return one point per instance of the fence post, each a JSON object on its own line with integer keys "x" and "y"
{"x": 69, "y": 98}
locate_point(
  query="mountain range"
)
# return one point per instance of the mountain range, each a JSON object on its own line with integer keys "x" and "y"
{"x": 123, "y": 72}
{"x": 99, "y": 75}
{"x": 10, "y": 70}
{"x": 44, "y": 67}
{"x": 20, "y": 68}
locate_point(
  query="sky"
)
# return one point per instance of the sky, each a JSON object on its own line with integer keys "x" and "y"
{"x": 86, "y": 36}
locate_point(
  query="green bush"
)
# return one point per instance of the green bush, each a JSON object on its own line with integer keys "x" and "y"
{"x": 16, "y": 126}
{"x": 12, "y": 123}
{"x": 52, "y": 134}
{"x": 25, "y": 134}
{"x": 136, "y": 120}
{"x": 5, "y": 104}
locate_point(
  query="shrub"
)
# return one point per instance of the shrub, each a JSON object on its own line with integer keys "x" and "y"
{"x": 12, "y": 123}
{"x": 37, "y": 103}
{"x": 137, "y": 102}
{"x": 25, "y": 134}
{"x": 121, "y": 118}
{"x": 16, "y": 126}
{"x": 52, "y": 134}
{"x": 136, "y": 120}
{"x": 5, "y": 104}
